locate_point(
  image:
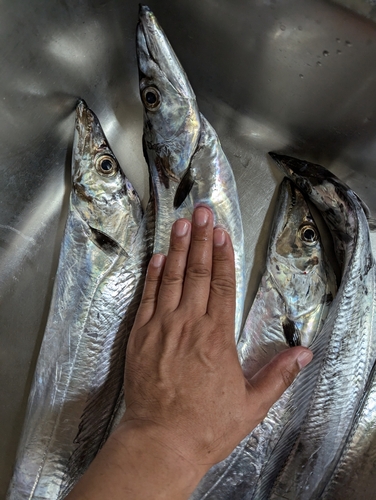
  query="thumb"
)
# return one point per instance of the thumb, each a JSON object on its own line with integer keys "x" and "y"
{"x": 269, "y": 383}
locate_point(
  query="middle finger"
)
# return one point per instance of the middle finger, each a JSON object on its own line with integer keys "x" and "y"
{"x": 198, "y": 273}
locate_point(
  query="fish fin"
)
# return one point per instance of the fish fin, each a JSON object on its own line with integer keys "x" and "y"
{"x": 145, "y": 150}
{"x": 372, "y": 224}
{"x": 184, "y": 188}
{"x": 366, "y": 210}
{"x": 106, "y": 243}
{"x": 371, "y": 220}
{"x": 291, "y": 331}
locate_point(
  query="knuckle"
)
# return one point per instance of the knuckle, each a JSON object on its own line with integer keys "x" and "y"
{"x": 177, "y": 246}
{"x": 220, "y": 256}
{"x": 223, "y": 286}
{"x": 198, "y": 271}
{"x": 148, "y": 298}
{"x": 152, "y": 280}
{"x": 288, "y": 376}
{"x": 200, "y": 236}
{"x": 172, "y": 278}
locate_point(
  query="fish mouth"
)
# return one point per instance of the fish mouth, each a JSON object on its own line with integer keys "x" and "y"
{"x": 84, "y": 118}
{"x": 89, "y": 132}
{"x": 286, "y": 199}
{"x": 156, "y": 58}
{"x": 89, "y": 137}
{"x": 297, "y": 169}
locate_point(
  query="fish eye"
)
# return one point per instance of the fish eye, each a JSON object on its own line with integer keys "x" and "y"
{"x": 106, "y": 165}
{"x": 308, "y": 234}
{"x": 151, "y": 98}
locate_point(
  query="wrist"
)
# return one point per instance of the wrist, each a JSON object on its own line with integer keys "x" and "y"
{"x": 154, "y": 445}
{"x": 138, "y": 462}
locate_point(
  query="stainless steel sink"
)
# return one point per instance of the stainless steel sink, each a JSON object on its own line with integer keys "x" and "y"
{"x": 293, "y": 76}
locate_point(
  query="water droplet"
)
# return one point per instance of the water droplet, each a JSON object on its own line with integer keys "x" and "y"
{"x": 283, "y": 27}
{"x": 318, "y": 63}
{"x": 339, "y": 51}
{"x": 349, "y": 44}
{"x": 300, "y": 28}
{"x": 325, "y": 53}
{"x": 301, "y": 76}
{"x": 338, "y": 40}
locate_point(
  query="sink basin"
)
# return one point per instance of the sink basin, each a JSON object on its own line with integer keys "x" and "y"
{"x": 283, "y": 75}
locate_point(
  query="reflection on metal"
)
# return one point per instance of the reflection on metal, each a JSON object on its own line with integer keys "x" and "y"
{"x": 248, "y": 85}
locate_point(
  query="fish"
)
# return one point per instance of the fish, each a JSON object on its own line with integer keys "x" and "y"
{"x": 296, "y": 289}
{"x": 77, "y": 391}
{"x": 354, "y": 476}
{"x": 330, "y": 391}
{"x": 186, "y": 162}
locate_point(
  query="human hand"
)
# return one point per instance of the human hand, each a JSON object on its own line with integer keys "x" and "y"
{"x": 188, "y": 403}
{"x": 183, "y": 380}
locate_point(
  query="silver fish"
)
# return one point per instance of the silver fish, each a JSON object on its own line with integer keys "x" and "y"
{"x": 290, "y": 308}
{"x": 330, "y": 390}
{"x": 186, "y": 162}
{"x": 355, "y": 475}
{"x": 78, "y": 384}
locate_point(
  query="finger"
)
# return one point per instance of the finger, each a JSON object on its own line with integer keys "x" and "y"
{"x": 269, "y": 383}
{"x": 221, "y": 305}
{"x": 149, "y": 297}
{"x": 198, "y": 273}
{"x": 172, "y": 281}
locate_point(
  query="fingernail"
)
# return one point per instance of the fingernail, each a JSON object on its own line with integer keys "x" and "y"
{"x": 181, "y": 227}
{"x": 157, "y": 260}
{"x": 304, "y": 358}
{"x": 201, "y": 216}
{"x": 219, "y": 237}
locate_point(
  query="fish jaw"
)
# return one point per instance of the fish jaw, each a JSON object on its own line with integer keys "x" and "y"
{"x": 100, "y": 190}
{"x": 156, "y": 57}
{"x": 172, "y": 121}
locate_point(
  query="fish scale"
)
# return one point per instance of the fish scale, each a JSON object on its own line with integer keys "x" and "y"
{"x": 344, "y": 352}
{"x": 354, "y": 476}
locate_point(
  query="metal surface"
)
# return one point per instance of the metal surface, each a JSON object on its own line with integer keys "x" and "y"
{"x": 283, "y": 75}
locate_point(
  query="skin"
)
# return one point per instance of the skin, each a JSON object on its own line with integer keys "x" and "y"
{"x": 188, "y": 402}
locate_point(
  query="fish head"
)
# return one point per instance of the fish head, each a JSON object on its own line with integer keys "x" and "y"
{"x": 295, "y": 236}
{"x": 171, "y": 116}
{"x": 340, "y": 207}
{"x": 298, "y": 266}
{"x": 101, "y": 193}
{"x": 307, "y": 176}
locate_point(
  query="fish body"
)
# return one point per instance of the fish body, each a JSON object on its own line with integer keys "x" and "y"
{"x": 186, "y": 162}
{"x": 330, "y": 391}
{"x": 354, "y": 476}
{"x": 77, "y": 390}
{"x": 290, "y": 308}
